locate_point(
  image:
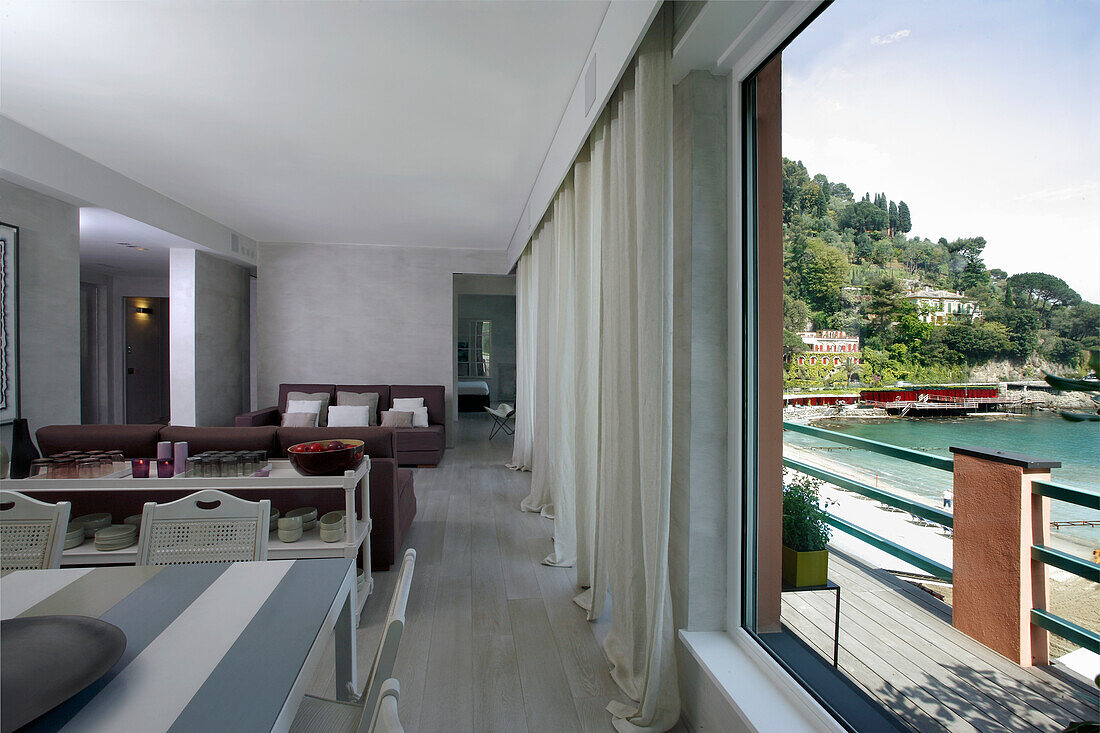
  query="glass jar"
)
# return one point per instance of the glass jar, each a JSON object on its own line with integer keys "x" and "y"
{"x": 211, "y": 467}
{"x": 64, "y": 467}
{"x": 87, "y": 468}
{"x": 42, "y": 467}
{"x": 230, "y": 466}
{"x": 195, "y": 466}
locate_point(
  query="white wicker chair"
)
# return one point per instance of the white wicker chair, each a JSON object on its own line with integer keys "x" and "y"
{"x": 376, "y": 710}
{"x": 32, "y": 532}
{"x": 207, "y": 526}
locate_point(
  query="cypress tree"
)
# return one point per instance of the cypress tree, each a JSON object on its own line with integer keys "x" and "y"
{"x": 893, "y": 218}
{"x": 905, "y": 222}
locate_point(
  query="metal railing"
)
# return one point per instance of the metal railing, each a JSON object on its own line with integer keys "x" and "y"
{"x": 1090, "y": 571}
{"x": 1041, "y": 553}
{"x": 916, "y": 508}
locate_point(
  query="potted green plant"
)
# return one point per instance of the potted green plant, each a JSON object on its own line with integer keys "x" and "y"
{"x": 805, "y": 533}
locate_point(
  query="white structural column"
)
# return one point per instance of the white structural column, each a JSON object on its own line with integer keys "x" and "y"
{"x": 209, "y": 338}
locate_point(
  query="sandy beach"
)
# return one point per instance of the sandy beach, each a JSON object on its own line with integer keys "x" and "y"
{"x": 1072, "y": 597}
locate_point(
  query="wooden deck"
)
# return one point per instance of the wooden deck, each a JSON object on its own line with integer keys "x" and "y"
{"x": 897, "y": 643}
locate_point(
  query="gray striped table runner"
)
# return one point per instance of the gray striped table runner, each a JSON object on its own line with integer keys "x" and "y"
{"x": 208, "y": 647}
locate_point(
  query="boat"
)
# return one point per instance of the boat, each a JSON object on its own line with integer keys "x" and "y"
{"x": 1072, "y": 385}
{"x": 1081, "y": 416}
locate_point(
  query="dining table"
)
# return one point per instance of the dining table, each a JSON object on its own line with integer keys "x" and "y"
{"x": 222, "y": 646}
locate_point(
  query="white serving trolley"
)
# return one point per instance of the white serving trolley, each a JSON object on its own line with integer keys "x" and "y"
{"x": 281, "y": 477}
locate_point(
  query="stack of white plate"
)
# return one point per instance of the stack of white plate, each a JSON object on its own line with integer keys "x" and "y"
{"x": 273, "y": 524}
{"x": 116, "y": 537}
{"x": 332, "y": 526}
{"x": 74, "y": 537}
{"x": 93, "y": 522}
{"x": 308, "y": 515}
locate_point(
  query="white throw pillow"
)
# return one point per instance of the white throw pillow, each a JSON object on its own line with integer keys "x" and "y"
{"x": 420, "y": 417}
{"x": 313, "y": 406}
{"x": 407, "y": 404}
{"x": 346, "y": 416}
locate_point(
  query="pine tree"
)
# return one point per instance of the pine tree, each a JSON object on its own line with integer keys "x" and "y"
{"x": 905, "y": 222}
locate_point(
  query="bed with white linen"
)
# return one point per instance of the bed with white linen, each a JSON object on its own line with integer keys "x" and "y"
{"x": 473, "y": 395}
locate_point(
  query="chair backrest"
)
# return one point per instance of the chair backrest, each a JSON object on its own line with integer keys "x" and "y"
{"x": 32, "y": 532}
{"x": 207, "y": 526}
{"x": 385, "y": 718}
{"x": 386, "y": 655}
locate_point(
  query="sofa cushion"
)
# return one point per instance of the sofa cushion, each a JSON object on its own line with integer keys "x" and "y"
{"x": 303, "y": 402}
{"x": 368, "y": 400}
{"x": 378, "y": 442}
{"x": 135, "y": 441}
{"x": 382, "y": 390}
{"x": 429, "y": 438}
{"x": 433, "y": 399}
{"x": 397, "y": 419}
{"x": 286, "y": 389}
{"x": 200, "y": 440}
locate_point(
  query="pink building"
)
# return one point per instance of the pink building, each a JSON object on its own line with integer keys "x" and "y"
{"x": 828, "y": 347}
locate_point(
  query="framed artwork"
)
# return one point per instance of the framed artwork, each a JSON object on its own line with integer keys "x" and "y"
{"x": 9, "y": 315}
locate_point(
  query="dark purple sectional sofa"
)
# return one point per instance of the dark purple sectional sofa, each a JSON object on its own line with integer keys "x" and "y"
{"x": 392, "y": 500}
{"x": 415, "y": 446}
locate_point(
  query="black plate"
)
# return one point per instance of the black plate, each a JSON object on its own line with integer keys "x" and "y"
{"x": 48, "y": 659}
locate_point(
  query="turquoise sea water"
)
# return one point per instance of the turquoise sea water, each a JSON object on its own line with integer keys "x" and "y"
{"x": 1041, "y": 435}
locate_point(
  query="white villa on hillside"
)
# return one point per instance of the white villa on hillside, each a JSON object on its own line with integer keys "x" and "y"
{"x": 940, "y": 307}
{"x": 826, "y": 347}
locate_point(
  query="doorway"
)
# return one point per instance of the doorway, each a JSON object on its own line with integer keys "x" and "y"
{"x": 146, "y": 360}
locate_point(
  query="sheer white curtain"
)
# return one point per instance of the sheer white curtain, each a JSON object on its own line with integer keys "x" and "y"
{"x": 526, "y": 297}
{"x": 541, "y": 498}
{"x": 601, "y": 455}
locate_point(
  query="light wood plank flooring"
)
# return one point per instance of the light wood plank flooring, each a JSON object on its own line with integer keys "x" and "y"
{"x": 493, "y": 641}
{"x": 897, "y": 643}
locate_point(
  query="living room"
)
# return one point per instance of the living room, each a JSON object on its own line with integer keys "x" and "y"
{"x": 278, "y": 258}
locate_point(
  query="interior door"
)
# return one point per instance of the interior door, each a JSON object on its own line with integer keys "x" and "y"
{"x": 146, "y": 360}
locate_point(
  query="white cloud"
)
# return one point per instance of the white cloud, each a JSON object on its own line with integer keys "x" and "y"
{"x": 895, "y": 36}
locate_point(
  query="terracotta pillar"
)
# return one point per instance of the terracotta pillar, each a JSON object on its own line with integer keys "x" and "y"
{"x": 996, "y": 583}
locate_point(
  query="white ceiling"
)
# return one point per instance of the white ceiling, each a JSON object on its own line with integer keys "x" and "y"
{"x": 399, "y": 123}
{"x": 104, "y": 235}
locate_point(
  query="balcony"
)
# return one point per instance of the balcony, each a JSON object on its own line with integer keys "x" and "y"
{"x": 947, "y": 665}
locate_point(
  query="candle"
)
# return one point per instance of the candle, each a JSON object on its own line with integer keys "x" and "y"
{"x": 180, "y": 457}
{"x": 164, "y": 468}
{"x": 139, "y": 468}
{"x": 164, "y": 449}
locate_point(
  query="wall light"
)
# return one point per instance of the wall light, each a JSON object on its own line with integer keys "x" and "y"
{"x": 143, "y": 310}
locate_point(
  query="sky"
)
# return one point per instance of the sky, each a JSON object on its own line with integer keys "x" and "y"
{"x": 982, "y": 116}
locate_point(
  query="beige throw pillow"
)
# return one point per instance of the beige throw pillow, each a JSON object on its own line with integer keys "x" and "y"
{"x": 370, "y": 399}
{"x": 397, "y": 419}
{"x": 299, "y": 420}
{"x": 323, "y": 397}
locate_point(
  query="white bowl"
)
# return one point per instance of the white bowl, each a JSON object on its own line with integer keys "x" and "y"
{"x": 332, "y": 535}
{"x": 93, "y": 522}
{"x": 290, "y": 535}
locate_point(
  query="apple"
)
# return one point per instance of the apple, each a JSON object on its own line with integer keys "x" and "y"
{"x": 334, "y": 445}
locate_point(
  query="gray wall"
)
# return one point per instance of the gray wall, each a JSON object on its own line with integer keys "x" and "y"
{"x": 210, "y": 338}
{"x": 501, "y": 310}
{"x": 359, "y": 314}
{"x": 49, "y": 305}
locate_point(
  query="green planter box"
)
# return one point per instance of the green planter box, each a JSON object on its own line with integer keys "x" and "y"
{"x": 803, "y": 569}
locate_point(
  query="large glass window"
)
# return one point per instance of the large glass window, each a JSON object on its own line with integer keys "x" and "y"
{"x": 882, "y": 181}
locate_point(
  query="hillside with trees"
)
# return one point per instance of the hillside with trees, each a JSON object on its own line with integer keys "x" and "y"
{"x": 849, "y": 263}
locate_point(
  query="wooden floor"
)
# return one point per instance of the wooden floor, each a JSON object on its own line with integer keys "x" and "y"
{"x": 493, "y": 641}
{"x": 897, "y": 643}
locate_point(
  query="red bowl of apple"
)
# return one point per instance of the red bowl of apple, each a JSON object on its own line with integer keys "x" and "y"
{"x": 326, "y": 457}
